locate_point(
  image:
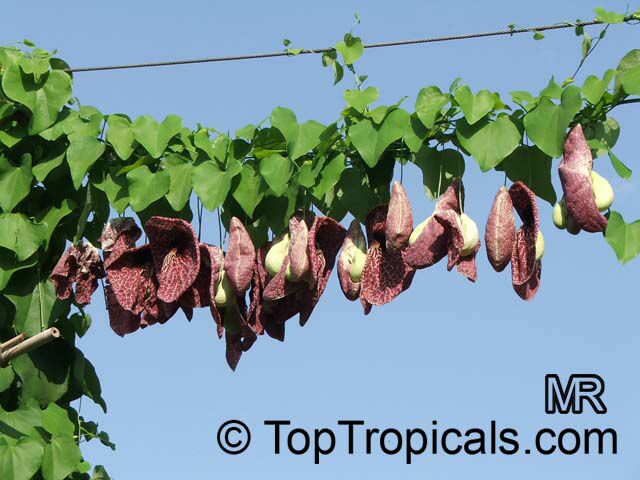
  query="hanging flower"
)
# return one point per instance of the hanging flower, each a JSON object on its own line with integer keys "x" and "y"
{"x": 386, "y": 273}
{"x": 500, "y": 231}
{"x": 176, "y": 255}
{"x": 447, "y": 232}
{"x": 81, "y": 265}
{"x": 526, "y": 264}
{"x": 575, "y": 175}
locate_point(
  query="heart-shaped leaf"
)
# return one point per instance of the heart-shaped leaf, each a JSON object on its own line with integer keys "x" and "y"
{"x": 61, "y": 457}
{"x": 593, "y": 88}
{"x": 429, "y": 103}
{"x": 22, "y": 460}
{"x": 20, "y": 235}
{"x": 546, "y": 125}
{"x": 532, "y": 166}
{"x": 276, "y": 171}
{"x": 145, "y": 187}
{"x": 474, "y": 107}
{"x": 623, "y": 237}
{"x": 372, "y": 140}
{"x": 211, "y": 184}
{"x": 154, "y": 136}
{"x": 350, "y": 48}
{"x": 120, "y": 135}
{"x": 179, "y": 185}
{"x": 439, "y": 169}
{"x": 248, "y": 192}
{"x": 15, "y": 182}
{"x": 489, "y": 142}
{"x": 82, "y": 153}
{"x": 44, "y": 99}
{"x": 360, "y": 99}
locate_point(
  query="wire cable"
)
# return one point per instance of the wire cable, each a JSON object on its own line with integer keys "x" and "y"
{"x": 255, "y": 56}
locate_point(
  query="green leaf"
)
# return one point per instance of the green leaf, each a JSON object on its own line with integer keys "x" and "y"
{"x": 546, "y": 125}
{"x": 81, "y": 322}
{"x": 605, "y": 132}
{"x": 120, "y": 135}
{"x": 82, "y": 153}
{"x": 248, "y": 192}
{"x": 154, "y": 137}
{"x": 6, "y": 378}
{"x": 360, "y": 99}
{"x": 15, "y": 182}
{"x": 20, "y": 235}
{"x": 623, "y": 237}
{"x": 350, "y": 48}
{"x": 99, "y": 473}
{"x": 44, "y": 99}
{"x": 61, "y": 457}
{"x": 53, "y": 215}
{"x": 552, "y": 90}
{"x": 428, "y": 104}
{"x": 10, "y": 265}
{"x": 36, "y": 307}
{"x": 276, "y": 171}
{"x": 116, "y": 189}
{"x": 45, "y": 372}
{"x": 538, "y": 35}
{"x": 86, "y": 380}
{"x": 306, "y": 177}
{"x": 489, "y": 142}
{"x": 330, "y": 175}
{"x": 203, "y": 142}
{"x": 180, "y": 185}
{"x": 621, "y": 169}
{"x": 605, "y": 16}
{"x": 54, "y": 156}
{"x": 593, "y": 88}
{"x": 530, "y": 165}
{"x": 20, "y": 461}
{"x": 356, "y": 196}
{"x": 307, "y": 139}
{"x": 629, "y": 73}
{"x": 211, "y": 184}
{"x": 372, "y": 140}
{"x": 56, "y": 421}
{"x": 145, "y": 187}
{"x": 474, "y": 107}
{"x": 439, "y": 169}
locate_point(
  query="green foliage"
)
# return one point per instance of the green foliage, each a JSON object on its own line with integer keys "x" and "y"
{"x": 64, "y": 166}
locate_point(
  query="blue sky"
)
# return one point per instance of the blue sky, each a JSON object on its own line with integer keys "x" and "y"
{"x": 447, "y": 350}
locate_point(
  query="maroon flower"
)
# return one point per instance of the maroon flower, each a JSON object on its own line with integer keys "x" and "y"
{"x": 442, "y": 235}
{"x": 240, "y": 259}
{"x": 386, "y": 274}
{"x": 325, "y": 238}
{"x": 81, "y": 265}
{"x": 176, "y": 255}
{"x": 118, "y": 235}
{"x": 525, "y": 269}
{"x": 399, "y": 221}
{"x": 500, "y": 232}
{"x": 353, "y": 242}
{"x": 575, "y": 169}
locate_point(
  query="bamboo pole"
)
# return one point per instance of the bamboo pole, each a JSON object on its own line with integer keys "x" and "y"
{"x": 12, "y": 343}
{"x": 28, "y": 345}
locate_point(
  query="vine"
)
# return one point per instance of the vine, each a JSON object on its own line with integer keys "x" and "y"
{"x": 65, "y": 166}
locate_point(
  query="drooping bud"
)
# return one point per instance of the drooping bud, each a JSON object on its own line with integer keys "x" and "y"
{"x": 500, "y": 232}
{"x": 240, "y": 259}
{"x": 350, "y": 264}
{"x": 399, "y": 219}
{"x": 575, "y": 176}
